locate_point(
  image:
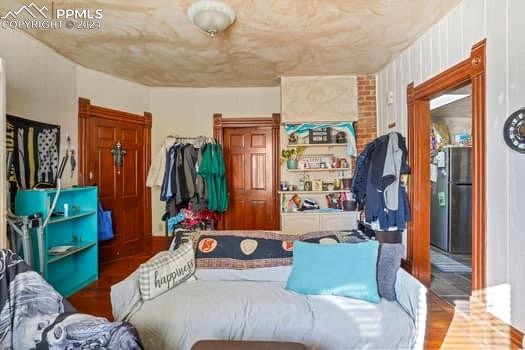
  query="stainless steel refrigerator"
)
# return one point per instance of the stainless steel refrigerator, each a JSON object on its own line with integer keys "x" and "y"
{"x": 451, "y": 199}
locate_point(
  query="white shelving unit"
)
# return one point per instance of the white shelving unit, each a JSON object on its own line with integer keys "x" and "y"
{"x": 314, "y": 220}
{"x": 330, "y": 170}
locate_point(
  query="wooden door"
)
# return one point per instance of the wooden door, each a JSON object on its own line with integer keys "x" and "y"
{"x": 121, "y": 189}
{"x": 249, "y": 158}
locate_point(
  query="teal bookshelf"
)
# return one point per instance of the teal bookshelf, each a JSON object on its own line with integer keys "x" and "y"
{"x": 73, "y": 270}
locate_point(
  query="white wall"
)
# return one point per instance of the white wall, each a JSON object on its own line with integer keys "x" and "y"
{"x": 43, "y": 85}
{"x": 446, "y": 43}
{"x": 189, "y": 111}
{"x": 109, "y": 91}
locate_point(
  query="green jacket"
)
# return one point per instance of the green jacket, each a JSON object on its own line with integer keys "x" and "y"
{"x": 213, "y": 172}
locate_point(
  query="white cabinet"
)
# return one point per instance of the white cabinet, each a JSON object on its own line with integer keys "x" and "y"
{"x": 338, "y": 222}
{"x": 298, "y": 223}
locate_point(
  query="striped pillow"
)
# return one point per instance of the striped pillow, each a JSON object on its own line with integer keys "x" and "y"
{"x": 166, "y": 270}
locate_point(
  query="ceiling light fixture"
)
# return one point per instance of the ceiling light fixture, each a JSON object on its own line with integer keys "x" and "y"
{"x": 211, "y": 16}
{"x": 445, "y": 100}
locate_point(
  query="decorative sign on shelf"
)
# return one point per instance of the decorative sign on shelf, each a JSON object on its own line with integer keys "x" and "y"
{"x": 317, "y": 161}
{"x": 320, "y": 135}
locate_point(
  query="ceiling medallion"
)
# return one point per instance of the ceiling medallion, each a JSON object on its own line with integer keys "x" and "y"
{"x": 211, "y": 16}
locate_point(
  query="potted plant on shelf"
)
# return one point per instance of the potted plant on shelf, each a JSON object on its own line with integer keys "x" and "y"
{"x": 291, "y": 155}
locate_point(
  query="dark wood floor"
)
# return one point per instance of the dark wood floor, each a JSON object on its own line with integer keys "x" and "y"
{"x": 447, "y": 328}
{"x": 453, "y": 287}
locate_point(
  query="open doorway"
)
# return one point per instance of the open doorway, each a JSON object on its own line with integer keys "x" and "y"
{"x": 469, "y": 72}
{"x": 451, "y": 196}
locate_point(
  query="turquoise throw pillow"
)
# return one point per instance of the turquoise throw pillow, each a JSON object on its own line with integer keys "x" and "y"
{"x": 336, "y": 269}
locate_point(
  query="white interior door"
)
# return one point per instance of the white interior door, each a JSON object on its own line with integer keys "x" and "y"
{"x": 3, "y": 235}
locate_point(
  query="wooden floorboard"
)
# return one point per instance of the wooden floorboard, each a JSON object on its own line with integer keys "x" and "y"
{"x": 447, "y": 328}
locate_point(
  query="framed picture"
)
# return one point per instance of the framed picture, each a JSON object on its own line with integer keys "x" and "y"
{"x": 320, "y": 135}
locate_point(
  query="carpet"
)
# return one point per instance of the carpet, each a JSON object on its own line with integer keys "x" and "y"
{"x": 446, "y": 264}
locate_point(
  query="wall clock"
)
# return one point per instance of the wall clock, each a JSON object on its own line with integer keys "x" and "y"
{"x": 514, "y": 131}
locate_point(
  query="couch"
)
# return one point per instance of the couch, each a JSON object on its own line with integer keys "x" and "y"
{"x": 253, "y": 304}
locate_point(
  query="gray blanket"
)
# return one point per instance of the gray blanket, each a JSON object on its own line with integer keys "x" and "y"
{"x": 34, "y": 316}
{"x": 229, "y": 304}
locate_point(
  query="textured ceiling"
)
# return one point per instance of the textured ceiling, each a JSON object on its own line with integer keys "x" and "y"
{"x": 153, "y": 42}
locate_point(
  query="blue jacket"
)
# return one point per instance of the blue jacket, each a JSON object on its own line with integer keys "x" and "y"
{"x": 368, "y": 184}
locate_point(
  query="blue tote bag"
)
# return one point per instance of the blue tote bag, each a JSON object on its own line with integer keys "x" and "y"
{"x": 105, "y": 224}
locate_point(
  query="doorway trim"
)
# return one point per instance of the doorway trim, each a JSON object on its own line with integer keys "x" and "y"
{"x": 471, "y": 70}
{"x": 86, "y": 111}
{"x": 220, "y": 123}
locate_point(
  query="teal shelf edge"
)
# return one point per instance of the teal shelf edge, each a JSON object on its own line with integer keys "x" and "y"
{"x": 56, "y": 219}
{"x": 73, "y": 270}
{"x": 67, "y": 189}
{"x": 71, "y": 289}
{"x": 80, "y": 247}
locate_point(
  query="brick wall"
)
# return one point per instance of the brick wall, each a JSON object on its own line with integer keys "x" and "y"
{"x": 366, "y": 126}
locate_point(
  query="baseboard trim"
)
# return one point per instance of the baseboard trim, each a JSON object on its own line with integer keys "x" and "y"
{"x": 516, "y": 337}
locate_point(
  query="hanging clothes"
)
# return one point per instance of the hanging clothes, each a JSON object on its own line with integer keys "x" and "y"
{"x": 200, "y": 200}
{"x": 166, "y": 192}
{"x": 179, "y": 185}
{"x": 190, "y": 173}
{"x": 157, "y": 168}
{"x": 213, "y": 171}
{"x": 377, "y": 186}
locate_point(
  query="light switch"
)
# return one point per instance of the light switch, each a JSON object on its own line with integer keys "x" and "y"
{"x": 390, "y": 99}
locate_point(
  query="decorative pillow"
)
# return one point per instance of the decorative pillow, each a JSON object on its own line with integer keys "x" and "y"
{"x": 349, "y": 236}
{"x": 249, "y": 249}
{"x": 181, "y": 236}
{"x": 388, "y": 263}
{"x": 166, "y": 270}
{"x": 341, "y": 269}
